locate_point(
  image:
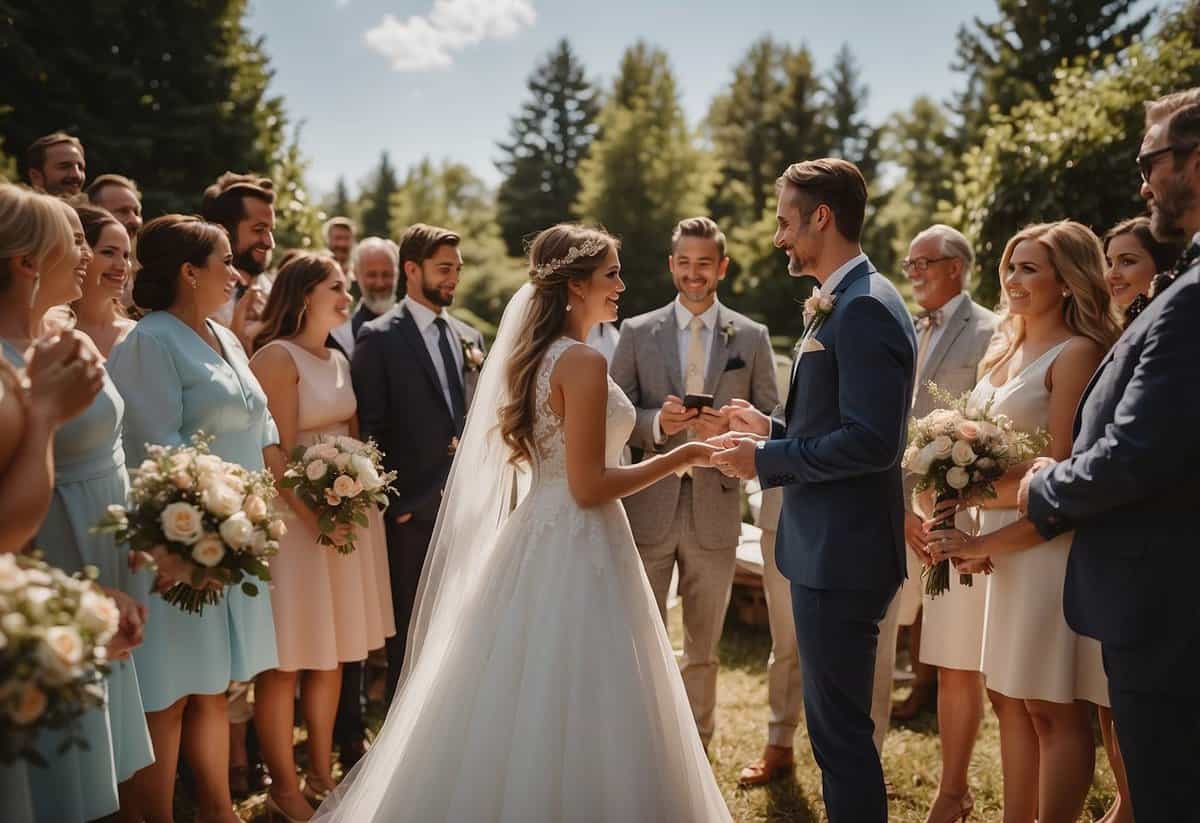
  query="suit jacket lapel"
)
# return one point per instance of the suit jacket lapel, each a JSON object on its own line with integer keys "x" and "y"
{"x": 468, "y": 375}
{"x": 955, "y": 325}
{"x": 716, "y": 353}
{"x": 408, "y": 328}
{"x": 666, "y": 336}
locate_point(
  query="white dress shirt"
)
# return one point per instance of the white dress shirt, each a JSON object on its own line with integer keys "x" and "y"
{"x": 424, "y": 318}
{"x": 947, "y": 311}
{"x": 833, "y": 281}
{"x": 603, "y": 338}
{"x": 683, "y": 319}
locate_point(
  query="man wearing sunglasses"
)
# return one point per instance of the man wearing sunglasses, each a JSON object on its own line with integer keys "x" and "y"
{"x": 1128, "y": 492}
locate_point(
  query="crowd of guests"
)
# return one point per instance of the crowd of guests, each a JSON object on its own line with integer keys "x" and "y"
{"x": 117, "y": 335}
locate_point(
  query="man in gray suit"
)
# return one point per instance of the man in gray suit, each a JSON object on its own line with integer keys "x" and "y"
{"x": 692, "y": 346}
{"x": 952, "y": 336}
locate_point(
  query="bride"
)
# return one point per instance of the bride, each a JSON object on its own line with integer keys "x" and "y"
{"x": 540, "y": 684}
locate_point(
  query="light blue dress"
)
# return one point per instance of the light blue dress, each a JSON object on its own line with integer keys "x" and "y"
{"x": 89, "y": 475}
{"x": 175, "y": 385}
{"x": 16, "y": 804}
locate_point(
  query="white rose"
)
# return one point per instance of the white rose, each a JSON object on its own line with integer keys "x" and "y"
{"x": 99, "y": 615}
{"x": 349, "y": 443}
{"x": 962, "y": 454}
{"x": 344, "y": 486}
{"x": 309, "y": 454}
{"x": 12, "y": 577}
{"x": 208, "y": 551}
{"x": 181, "y": 462}
{"x": 316, "y": 470}
{"x": 220, "y": 499}
{"x": 327, "y": 451}
{"x": 957, "y": 478}
{"x": 276, "y": 529}
{"x": 182, "y": 480}
{"x": 969, "y": 430}
{"x": 118, "y": 514}
{"x": 364, "y": 470}
{"x": 14, "y": 624}
{"x": 208, "y": 464}
{"x": 37, "y": 597}
{"x": 30, "y": 707}
{"x": 942, "y": 447}
{"x": 182, "y": 523}
{"x": 254, "y": 507}
{"x": 258, "y": 543}
{"x": 60, "y": 652}
{"x": 923, "y": 461}
{"x": 237, "y": 531}
{"x": 909, "y": 455}
{"x": 39, "y": 577}
{"x": 148, "y": 467}
{"x": 342, "y": 461}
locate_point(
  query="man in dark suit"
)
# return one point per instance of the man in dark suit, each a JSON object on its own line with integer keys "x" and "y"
{"x": 1129, "y": 492}
{"x": 837, "y": 456}
{"x": 377, "y": 263}
{"x": 414, "y": 371}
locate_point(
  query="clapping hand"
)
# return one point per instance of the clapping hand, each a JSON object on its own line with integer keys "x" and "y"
{"x": 1023, "y": 490}
{"x": 64, "y": 376}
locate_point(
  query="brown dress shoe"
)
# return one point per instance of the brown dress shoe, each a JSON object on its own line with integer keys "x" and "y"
{"x": 776, "y": 761}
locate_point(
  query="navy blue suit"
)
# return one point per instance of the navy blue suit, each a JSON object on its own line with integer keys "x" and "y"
{"x": 841, "y": 530}
{"x": 1129, "y": 492}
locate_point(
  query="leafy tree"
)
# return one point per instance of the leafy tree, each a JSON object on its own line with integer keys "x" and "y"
{"x": 375, "y": 206}
{"x": 644, "y": 172}
{"x": 547, "y": 141}
{"x": 297, "y": 220}
{"x": 339, "y": 204}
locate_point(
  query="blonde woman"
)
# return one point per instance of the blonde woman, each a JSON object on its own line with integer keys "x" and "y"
{"x": 1042, "y": 678}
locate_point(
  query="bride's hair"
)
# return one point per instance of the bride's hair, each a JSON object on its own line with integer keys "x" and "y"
{"x": 1078, "y": 261}
{"x": 557, "y": 255}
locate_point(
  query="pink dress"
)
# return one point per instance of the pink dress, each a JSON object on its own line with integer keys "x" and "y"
{"x": 330, "y": 608}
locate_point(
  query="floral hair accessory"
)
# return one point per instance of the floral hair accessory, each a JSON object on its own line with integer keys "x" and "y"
{"x": 589, "y": 248}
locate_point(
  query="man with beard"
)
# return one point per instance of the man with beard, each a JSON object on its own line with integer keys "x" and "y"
{"x": 120, "y": 197}
{"x": 55, "y": 164}
{"x": 414, "y": 372}
{"x": 244, "y": 205}
{"x": 377, "y": 261}
{"x": 339, "y": 233}
{"x": 1128, "y": 492}
{"x": 665, "y": 361}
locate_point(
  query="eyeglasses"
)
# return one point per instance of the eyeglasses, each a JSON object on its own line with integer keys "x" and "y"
{"x": 1147, "y": 161}
{"x": 921, "y": 264}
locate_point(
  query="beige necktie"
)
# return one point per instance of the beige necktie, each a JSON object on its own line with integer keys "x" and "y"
{"x": 693, "y": 378}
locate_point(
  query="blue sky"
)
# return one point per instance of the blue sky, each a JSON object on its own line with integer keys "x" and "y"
{"x": 442, "y": 77}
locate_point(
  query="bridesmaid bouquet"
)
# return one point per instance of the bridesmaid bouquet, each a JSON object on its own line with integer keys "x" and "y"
{"x": 960, "y": 451}
{"x": 53, "y": 632}
{"x": 206, "y": 520}
{"x": 339, "y": 478}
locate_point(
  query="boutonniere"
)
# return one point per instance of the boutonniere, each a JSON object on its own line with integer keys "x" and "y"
{"x": 453, "y": 447}
{"x": 816, "y": 308}
{"x": 728, "y": 332}
{"x": 472, "y": 354}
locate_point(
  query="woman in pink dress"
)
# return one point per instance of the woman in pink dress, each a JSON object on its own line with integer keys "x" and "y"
{"x": 330, "y": 608}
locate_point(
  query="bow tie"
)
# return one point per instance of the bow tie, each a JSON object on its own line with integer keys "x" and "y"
{"x": 929, "y": 319}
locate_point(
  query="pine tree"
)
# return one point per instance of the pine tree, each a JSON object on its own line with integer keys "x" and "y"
{"x": 339, "y": 204}
{"x": 547, "y": 141}
{"x": 851, "y": 137}
{"x": 376, "y": 204}
{"x": 644, "y": 173}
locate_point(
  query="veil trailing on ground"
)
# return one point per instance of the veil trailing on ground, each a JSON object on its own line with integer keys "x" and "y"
{"x": 480, "y": 493}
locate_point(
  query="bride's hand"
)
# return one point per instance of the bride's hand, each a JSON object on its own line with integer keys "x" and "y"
{"x": 699, "y": 453}
{"x": 945, "y": 544}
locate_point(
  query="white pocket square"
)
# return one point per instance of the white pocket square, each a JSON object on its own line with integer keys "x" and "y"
{"x": 812, "y": 344}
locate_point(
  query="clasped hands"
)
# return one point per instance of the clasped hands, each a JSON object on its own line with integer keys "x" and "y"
{"x": 734, "y": 444}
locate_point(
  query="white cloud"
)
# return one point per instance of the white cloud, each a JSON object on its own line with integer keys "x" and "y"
{"x": 426, "y": 42}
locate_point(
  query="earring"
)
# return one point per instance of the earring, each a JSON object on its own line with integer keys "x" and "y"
{"x": 300, "y": 316}
{"x": 568, "y": 307}
{"x": 194, "y": 283}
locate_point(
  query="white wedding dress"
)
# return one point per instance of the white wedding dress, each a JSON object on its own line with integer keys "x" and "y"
{"x": 556, "y": 695}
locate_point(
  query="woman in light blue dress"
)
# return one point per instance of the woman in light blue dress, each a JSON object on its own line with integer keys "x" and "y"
{"x": 181, "y": 373}
{"x": 89, "y": 475}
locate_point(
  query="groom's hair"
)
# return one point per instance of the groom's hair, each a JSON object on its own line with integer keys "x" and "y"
{"x": 704, "y": 227}
{"x": 835, "y": 182}
{"x": 1181, "y": 112}
{"x": 421, "y": 241}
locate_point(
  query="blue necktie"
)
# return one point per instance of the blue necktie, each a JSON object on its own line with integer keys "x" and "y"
{"x": 458, "y": 403}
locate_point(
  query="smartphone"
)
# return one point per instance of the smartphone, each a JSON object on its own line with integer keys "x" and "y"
{"x": 697, "y": 401}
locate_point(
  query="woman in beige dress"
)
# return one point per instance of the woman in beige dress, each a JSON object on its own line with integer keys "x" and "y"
{"x": 1041, "y": 676}
{"x": 330, "y": 608}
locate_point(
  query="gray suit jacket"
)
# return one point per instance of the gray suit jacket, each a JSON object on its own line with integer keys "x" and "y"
{"x": 954, "y": 362}
{"x": 646, "y": 367}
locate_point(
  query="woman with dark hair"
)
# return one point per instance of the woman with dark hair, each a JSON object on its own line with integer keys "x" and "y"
{"x": 1132, "y": 256}
{"x": 330, "y": 608}
{"x": 189, "y": 374}
{"x": 98, "y": 313}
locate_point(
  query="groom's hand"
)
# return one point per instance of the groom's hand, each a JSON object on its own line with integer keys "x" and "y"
{"x": 743, "y": 417}
{"x": 1023, "y": 490}
{"x": 738, "y": 461}
{"x": 710, "y": 423}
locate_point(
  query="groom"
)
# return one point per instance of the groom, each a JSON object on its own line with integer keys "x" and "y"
{"x": 837, "y": 456}
{"x": 414, "y": 371}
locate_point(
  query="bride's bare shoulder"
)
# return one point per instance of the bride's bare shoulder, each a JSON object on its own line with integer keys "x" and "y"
{"x": 579, "y": 366}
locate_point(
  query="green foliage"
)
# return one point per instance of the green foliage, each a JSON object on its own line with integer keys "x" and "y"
{"x": 1072, "y": 154}
{"x": 548, "y": 139}
{"x": 297, "y": 220}
{"x": 644, "y": 173}
{"x": 339, "y": 204}
{"x": 375, "y": 204}
{"x": 169, "y": 99}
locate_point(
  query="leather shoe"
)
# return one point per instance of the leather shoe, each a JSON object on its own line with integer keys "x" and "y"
{"x": 776, "y": 761}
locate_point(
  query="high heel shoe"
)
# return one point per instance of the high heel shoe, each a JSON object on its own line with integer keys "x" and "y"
{"x": 274, "y": 812}
{"x": 958, "y": 810}
{"x": 315, "y": 789}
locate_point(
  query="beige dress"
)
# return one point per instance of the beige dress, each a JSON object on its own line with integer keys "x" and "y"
{"x": 329, "y": 608}
{"x": 1029, "y": 651}
{"x": 952, "y": 622}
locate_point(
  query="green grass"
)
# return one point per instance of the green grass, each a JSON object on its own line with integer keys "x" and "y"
{"x": 910, "y": 755}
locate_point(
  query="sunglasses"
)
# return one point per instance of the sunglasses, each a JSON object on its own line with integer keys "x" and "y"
{"x": 1147, "y": 160}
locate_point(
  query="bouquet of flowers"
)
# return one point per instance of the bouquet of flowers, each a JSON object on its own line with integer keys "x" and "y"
{"x": 208, "y": 520}
{"x": 339, "y": 478}
{"x": 959, "y": 451}
{"x": 53, "y": 632}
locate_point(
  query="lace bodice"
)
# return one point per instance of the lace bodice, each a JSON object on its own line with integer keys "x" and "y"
{"x": 550, "y": 462}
